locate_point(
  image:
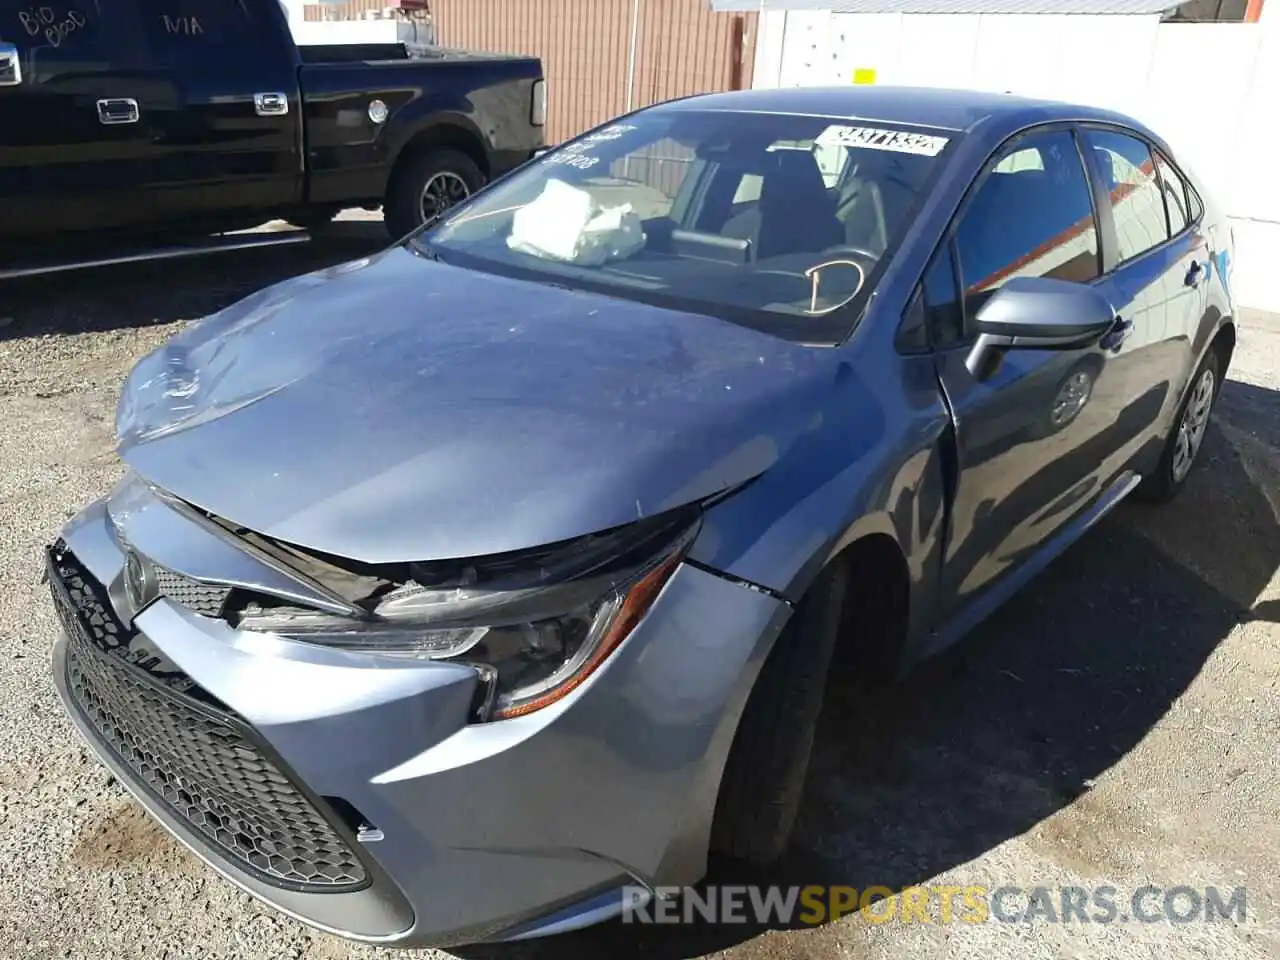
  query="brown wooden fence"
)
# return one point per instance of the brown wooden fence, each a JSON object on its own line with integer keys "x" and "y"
{"x": 682, "y": 47}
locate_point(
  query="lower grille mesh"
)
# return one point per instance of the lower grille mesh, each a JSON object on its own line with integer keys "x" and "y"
{"x": 204, "y": 765}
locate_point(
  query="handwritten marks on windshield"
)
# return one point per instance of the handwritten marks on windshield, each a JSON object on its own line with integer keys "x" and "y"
{"x": 576, "y": 160}
{"x": 814, "y": 274}
{"x": 579, "y": 153}
{"x": 51, "y": 23}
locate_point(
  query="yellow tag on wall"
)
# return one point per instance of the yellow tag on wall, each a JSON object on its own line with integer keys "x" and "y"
{"x": 864, "y": 75}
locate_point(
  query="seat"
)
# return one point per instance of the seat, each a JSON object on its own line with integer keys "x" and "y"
{"x": 795, "y": 213}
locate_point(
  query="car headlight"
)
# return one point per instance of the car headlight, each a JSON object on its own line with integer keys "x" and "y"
{"x": 534, "y": 631}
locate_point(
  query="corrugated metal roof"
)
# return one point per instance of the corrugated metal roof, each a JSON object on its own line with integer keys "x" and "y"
{"x": 954, "y": 6}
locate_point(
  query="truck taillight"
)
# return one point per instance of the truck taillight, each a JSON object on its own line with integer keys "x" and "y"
{"x": 538, "y": 112}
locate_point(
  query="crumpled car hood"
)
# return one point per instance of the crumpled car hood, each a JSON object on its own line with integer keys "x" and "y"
{"x": 398, "y": 409}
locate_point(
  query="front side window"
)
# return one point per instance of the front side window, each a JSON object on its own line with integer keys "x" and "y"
{"x": 1031, "y": 216}
{"x": 773, "y": 220}
{"x": 1130, "y": 180}
{"x": 944, "y": 317}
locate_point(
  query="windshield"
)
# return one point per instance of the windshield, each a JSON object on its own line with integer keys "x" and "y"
{"x": 772, "y": 220}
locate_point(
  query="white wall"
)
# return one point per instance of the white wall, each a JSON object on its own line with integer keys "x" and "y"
{"x": 337, "y": 31}
{"x": 1210, "y": 89}
{"x": 344, "y": 31}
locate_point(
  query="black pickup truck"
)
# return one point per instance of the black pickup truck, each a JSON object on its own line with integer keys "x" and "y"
{"x": 139, "y": 123}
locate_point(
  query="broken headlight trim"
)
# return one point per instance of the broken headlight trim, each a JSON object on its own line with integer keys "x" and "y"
{"x": 531, "y": 646}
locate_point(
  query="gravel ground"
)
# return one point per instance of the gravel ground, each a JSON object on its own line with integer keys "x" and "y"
{"x": 1116, "y": 724}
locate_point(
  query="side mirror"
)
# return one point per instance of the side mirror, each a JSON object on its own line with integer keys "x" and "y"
{"x": 10, "y": 65}
{"x": 1035, "y": 313}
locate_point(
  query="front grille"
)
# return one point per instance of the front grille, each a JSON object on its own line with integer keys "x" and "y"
{"x": 204, "y": 598}
{"x": 206, "y": 766}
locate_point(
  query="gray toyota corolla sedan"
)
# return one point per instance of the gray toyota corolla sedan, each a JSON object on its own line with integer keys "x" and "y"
{"x": 455, "y": 591}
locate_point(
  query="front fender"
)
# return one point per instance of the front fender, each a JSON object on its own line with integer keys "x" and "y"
{"x": 873, "y": 464}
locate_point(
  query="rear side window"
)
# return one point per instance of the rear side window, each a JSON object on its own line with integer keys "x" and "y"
{"x": 1175, "y": 196}
{"x": 1130, "y": 180}
{"x": 1032, "y": 216}
{"x": 1194, "y": 204}
{"x": 182, "y": 30}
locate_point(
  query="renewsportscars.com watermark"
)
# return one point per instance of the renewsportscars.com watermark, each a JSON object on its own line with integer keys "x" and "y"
{"x": 937, "y": 904}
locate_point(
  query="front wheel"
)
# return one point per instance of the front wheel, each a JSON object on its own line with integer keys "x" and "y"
{"x": 1187, "y": 436}
{"x": 426, "y": 185}
{"x": 764, "y": 776}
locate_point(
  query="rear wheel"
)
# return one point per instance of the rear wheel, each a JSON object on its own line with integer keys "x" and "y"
{"x": 1187, "y": 436}
{"x": 764, "y": 776}
{"x": 426, "y": 185}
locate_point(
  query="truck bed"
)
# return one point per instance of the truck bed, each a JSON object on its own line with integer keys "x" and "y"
{"x": 313, "y": 54}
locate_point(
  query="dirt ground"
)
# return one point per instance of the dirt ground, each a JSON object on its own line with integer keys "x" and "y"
{"x": 1116, "y": 724}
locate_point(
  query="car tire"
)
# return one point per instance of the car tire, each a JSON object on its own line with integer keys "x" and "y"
{"x": 764, "y": 776}
{"x": 447, "y": 172}
{"x": 1171, "y": 472}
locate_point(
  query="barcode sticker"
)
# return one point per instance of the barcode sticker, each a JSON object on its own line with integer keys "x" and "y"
{"x": 873, "y": 138}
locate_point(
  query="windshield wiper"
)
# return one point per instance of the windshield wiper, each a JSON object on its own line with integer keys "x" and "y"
{"x": 425, "y": 249}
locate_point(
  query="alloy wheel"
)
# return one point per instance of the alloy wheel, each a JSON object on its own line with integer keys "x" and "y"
{"x": 1194, "y": 423}
{"x": 442, "y": 191}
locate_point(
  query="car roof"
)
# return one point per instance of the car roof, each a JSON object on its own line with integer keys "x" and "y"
{"x": 959, "y": 110}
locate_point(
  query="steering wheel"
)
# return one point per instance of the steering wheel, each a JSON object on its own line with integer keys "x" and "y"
{"x": 811, "y": 276}
{"x": 841, "y": 256}
{"x": 834, "y": 253}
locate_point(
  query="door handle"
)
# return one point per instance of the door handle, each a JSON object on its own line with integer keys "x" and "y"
{"x": 1194, "y": 274}
{"x": 1117, "y": 335}
{"x": 270, "y": 104}
{"x": 118, "y": 110}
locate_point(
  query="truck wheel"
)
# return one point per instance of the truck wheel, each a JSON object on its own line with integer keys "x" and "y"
{"x": 426, "y": 185}
{"x": 1187, "y": 435}
{"x": 764, "y": 776}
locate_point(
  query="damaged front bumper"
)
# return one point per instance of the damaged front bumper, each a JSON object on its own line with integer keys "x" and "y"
{"x": 353, "y": 791}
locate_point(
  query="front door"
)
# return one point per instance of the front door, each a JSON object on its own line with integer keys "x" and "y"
{"x": 74, "y": 139}
{"x": 1042, "y": 435}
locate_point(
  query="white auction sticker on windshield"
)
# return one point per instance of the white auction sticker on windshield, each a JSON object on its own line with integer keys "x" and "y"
{"x": 873, "y": 138}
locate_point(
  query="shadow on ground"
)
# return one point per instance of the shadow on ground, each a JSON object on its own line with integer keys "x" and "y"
{"x": 144, "y": 294}
{"x": 1018, "y": 720}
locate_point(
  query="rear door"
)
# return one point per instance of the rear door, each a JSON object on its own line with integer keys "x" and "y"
{"x": 1158, "y": 283}
{"x": 74, "y": 141}
{"x": 1042, "y": 435}
{"x": 230, "y": 141}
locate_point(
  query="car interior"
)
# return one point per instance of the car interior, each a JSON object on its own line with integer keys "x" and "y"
{"x": 771, "y": 208}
